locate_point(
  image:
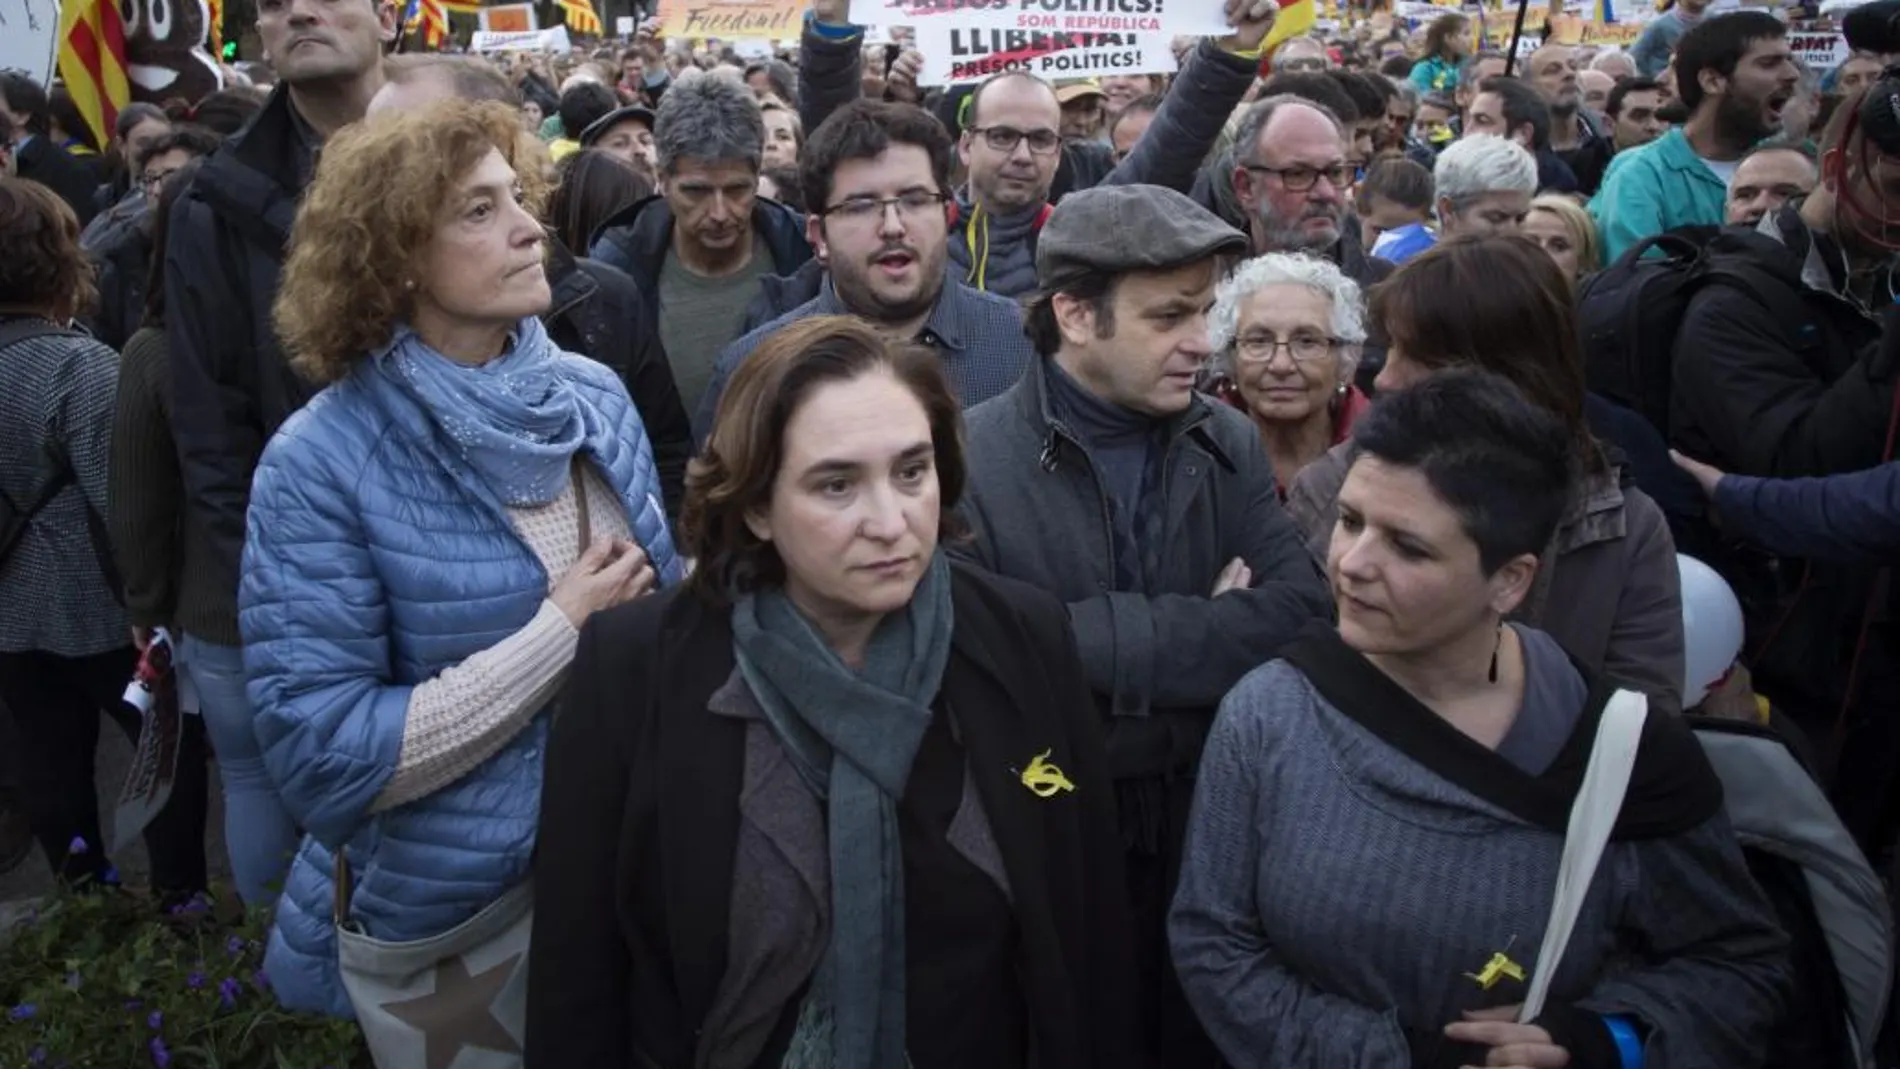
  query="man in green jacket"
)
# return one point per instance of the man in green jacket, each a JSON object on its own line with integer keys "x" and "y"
{"x": 1735, "y": 74}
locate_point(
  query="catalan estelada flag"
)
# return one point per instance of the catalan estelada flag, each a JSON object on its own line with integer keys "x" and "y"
{"x": 1605, "y": 12}
{"x": 1296, "y": 17}
{"x": 427, "y": 20}
{"x": 214, "y": 33}
{"x": 581, "y": 17}
{"x": 92, "y": 62}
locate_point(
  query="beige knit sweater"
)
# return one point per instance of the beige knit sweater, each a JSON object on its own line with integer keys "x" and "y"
{"x": 468, "y": 713}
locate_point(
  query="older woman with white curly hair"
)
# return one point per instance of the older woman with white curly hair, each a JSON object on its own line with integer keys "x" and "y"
{"x": 1287, "y": 329}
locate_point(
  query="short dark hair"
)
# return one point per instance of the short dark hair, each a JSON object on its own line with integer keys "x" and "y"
{"x": 594, "y": 184}
{"x": 24, "y": 96}
{"x": 863, "y": 129}
{"x": 1497, "y": 303}
{"x": 6, "y": 134}
{"x": 1039, "y": 313}
{"x": 135, "y": 113}
{"x": 1521, "y": 105}
{"x": 1441, "y": 101}
{"x": 1366, "y": 98}
{"x": 65, "y": 111}
{"x": 1469, "y": 68}
{"x": 734, "y": 473}
{"x": 1613, "y": 107}
{"x": 168, "y": 194}
{"x": 779, "y": 75}
{"x": 196, "y": 140}
{"x": 44, "y": 272}
{"x": 1718, "y": 44}
{"x": 472, "y": 78}
{"x": 791, "y": 190}
{"x": 1496, "y": 459}
{"x": 582, "y": 104}
{"x": 1316, "y": 89}
{"x": 1397, "y": 67}
{"x": 1401, "y": 181}
{"x": 225, "y": 111}
{"x": 1142, "y": 105}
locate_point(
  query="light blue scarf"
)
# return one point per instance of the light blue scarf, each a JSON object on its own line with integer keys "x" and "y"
{"x": 515, "y": 420}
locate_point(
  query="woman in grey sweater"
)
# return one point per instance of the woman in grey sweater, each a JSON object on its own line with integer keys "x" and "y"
{"x": 1380, "y": 816}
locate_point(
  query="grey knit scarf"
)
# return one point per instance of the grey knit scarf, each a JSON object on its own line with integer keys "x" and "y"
{"x": 852, "y": 736}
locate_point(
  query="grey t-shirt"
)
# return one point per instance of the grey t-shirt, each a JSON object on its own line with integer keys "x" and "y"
{"x": 699, "y": 315}
{"x": 1554, "y": 693}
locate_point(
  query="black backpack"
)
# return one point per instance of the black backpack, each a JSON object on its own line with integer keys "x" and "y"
{"x": 1631, "y": 311}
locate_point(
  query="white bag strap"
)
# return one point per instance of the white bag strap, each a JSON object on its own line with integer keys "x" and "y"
{"x": 1592, "y": 816}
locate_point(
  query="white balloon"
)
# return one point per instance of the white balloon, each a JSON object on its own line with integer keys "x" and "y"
{"x": 1711, "y": 629}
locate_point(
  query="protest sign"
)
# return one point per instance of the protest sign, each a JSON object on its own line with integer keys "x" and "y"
{"x": 550, "y": 40}
{"x": 153, "y": 694}
{"x": 1164, "y": 18}
{"x": 955, "y": 54}
{"x": 1820, "y": 50}
{"x": 732, "y": 19}
{"x": 509, "y": 18}
{"x": 624, "y": 26}
{"x": 28, "y": 29}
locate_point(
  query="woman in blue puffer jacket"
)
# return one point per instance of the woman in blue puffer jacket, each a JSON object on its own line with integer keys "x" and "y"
{"x": 427, "y": 535}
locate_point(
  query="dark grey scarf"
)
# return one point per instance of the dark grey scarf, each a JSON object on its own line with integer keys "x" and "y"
{"x": 852, "y": 736}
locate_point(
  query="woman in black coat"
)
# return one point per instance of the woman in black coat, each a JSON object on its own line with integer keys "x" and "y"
{"x": 837, "y": 802}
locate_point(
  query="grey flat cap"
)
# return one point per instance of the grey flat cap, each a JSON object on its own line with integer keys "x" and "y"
{"x": 1118, "y": 229}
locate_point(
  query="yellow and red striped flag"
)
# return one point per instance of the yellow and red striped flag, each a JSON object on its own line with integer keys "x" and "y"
{"x": 214, "y": 33}
{"x": 1296, "y": 17}
{"x": 92, "y": 62}
{"x": 581, "y": 17}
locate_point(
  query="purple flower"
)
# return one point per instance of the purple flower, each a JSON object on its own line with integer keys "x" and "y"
{"x": 228, "y": 992}
{"x": 132, "y": 1005}
{"x": 76, "y": 848}
{"x": 37, "y": 1057}
{"x": 156, "y": 1021}
{"x": 23, "y": 1012}
{"x": 197, "y": 904}
{"x": 196, "y": 980}
{"x": 72, "y": 980}
{"x": 260, "y": 981}
{"x": 234, "y": 946}
{"x": 111, "y": 877}
{"x": 161, "y": 1057}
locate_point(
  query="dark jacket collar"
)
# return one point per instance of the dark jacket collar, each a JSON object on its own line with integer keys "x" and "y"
{"x": 254, "y": 180}
{"x": 1033, "y": 404}
{"x": 644, "y": 232}
{"x": 568, "y": 283}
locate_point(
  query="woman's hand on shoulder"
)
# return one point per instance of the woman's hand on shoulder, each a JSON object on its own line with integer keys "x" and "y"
{"x": 611, "y": 572}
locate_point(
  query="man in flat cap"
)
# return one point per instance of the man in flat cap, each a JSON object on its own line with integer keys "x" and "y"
{"x": 1104, "y": 478}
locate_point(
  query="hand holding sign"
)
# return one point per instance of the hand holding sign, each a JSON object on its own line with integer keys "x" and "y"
{"x": 1251, "y": 20}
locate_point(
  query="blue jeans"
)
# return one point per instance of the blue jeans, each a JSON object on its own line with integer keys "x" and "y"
{"x": 258, "y": 830}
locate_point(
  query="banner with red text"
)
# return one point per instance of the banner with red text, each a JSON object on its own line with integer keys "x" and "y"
{"x": 1167, "y": 18}
{"x": 955, "y": 54}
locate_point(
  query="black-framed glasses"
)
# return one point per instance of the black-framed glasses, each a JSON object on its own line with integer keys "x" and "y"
{"x": 911, "y": 204}
{"x": 1301, "y": 179}
{"x": 1006, "y": 138}
{"x": 1258, "y": 347}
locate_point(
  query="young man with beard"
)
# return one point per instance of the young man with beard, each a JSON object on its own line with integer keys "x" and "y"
{"x": 231, "y": 384}
{"x": 877, "y": 176}
{"x": 1011, "y": 143}
{"x": 1105, "y": 479}
{"x": 1734, "y": 73}
{"x": 1789, "y": 371}
{"x": 1506, "y": 107}
{"x": 1633, "y": 110}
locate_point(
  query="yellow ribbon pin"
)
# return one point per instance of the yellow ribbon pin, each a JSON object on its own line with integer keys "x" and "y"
{"x": 1495, "y": 970}
{"x": 1044, "y": 779}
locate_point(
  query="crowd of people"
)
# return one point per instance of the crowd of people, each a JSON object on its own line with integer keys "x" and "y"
{"x": 680, "y": 561}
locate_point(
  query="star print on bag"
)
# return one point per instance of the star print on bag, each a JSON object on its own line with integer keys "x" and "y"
{"x": 459, "y": 1013}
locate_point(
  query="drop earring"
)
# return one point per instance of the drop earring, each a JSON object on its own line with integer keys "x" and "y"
{"x": 1494, "y": 653}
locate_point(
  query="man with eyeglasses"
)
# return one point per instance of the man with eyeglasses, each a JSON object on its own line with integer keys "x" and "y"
{"x": 877, "y": 178}
{"x": 1302, "y": 55}
{"x": 1011, "y": 140}
{"x": 1106, "y": 479}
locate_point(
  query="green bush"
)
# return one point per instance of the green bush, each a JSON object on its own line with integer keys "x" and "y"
{"x": 103, "y": 980}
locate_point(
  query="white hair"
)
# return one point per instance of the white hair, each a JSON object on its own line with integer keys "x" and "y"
{"x": 1320, "y": 276}
{"x": 1484, "y": 163}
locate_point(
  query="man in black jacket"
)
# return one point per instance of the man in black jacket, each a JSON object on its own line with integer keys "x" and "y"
{"x": 598, "y": 311}
{"x": 1784, "y": 367}
{"x": 231, "y": 385}
{"x": 35, "y": 155}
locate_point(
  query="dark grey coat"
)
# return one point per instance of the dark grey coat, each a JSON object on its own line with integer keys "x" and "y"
{"x": 1159, "y": 661}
